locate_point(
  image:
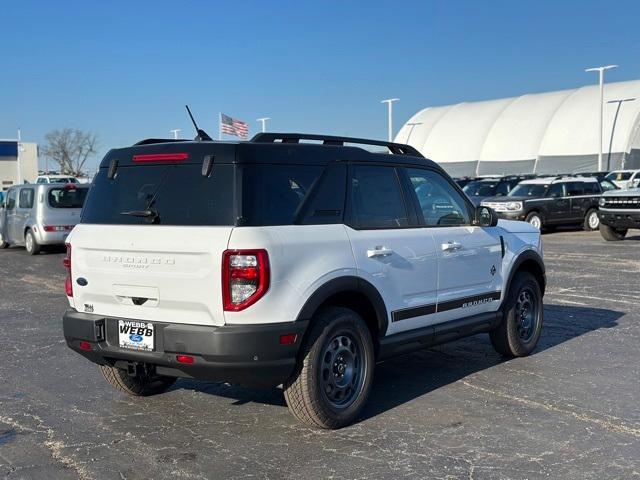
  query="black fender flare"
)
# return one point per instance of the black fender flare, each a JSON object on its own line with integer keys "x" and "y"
{"x": 527, "y": 255}
{"x": 345, "y": 284}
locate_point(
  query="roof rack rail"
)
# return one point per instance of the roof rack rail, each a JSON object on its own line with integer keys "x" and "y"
{"x": 151, "y": 141}
{"x": 395, "y": 148}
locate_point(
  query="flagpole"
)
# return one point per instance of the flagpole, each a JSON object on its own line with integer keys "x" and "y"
{"x": 220, "y": 126}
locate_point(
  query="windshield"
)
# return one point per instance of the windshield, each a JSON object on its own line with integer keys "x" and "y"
{"x": 64, "y": 197}
{"x": 618, "y": 176}
{"x": 529, "y": 190}
{"x": 480, "y": 189}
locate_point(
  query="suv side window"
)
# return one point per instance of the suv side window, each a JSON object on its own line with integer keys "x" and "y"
{"x": 440, "y": 203}
{"x": 591, "y": 188}
{"x": 575, "y": 189}
{"x": 42, "y": 180}
{"x": 11, "y": 199}
{"x": 376, "y": 198}
{"x": 556, "y": 190}
{"x": 503, "y": 188}
{"x": 26, "y": 198}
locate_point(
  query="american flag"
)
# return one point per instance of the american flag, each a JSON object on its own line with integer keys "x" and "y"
{"x": 231, "y": 126}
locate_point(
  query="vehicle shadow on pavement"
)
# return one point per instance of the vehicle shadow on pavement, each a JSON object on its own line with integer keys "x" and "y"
{"x": 402, "y": 379}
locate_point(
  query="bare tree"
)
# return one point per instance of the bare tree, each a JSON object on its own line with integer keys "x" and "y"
{"x": 70, "y": 149}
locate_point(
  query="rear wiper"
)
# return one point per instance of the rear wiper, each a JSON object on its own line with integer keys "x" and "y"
{"x": 143, "y": 213}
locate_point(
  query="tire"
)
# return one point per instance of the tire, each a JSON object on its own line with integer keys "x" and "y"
{"x": 31, "y": 244}
{"x": 3, "y": 245}
{"x": 535, "y": 219}
{"x": 334, "y": 375}
{"x": 611, "y": 234}
{"x": 138, "y": 386}
{"x": 517, "y": 336}
{"x": 591, "y": 221}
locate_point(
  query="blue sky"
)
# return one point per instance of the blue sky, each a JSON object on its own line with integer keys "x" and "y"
{"x": 125, "y": 69}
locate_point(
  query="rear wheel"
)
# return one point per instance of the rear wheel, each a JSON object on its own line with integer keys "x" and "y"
{"x": 534, "y": 219}
{"x": 139, "y": 385}
{"x": 521, "y": 325}
{"x": 334, "y": 375}
{"x": 31, "y": 244}
{"x": 591, "y": 220}
{"x": 611, "y": 234}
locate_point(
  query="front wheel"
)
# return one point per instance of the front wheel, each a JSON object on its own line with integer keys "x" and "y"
{"x": 535, "y": 220}
{"x": 335, "y": 372}
{"x": 521, "y": 325}
{"x": 139, "y": 385}
{"x": 611, "y": 234}
{"x": 591, "y": 221}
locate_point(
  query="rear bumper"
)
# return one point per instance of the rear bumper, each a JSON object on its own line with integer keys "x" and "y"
{"x": 50, "y": 238}
{"x": 244, "y": 354}
{"x": 620, "y": 219}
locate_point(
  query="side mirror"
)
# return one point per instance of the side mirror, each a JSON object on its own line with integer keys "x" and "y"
{"x": 486, "y": 217}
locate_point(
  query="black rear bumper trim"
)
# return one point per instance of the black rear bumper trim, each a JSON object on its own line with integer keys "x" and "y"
{"x": 244, "y": 354}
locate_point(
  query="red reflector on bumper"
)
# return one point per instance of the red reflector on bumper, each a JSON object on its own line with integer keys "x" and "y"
{"x": 288, "y": 338}
{"x": 184, "y": 359}
{"x": 85, "y": 346}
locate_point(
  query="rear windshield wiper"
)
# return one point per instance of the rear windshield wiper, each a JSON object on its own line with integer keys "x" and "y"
{"x": 152, "y": 214}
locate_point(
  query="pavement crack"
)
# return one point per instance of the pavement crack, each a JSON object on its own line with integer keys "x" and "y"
{"x": 611, "y": 426}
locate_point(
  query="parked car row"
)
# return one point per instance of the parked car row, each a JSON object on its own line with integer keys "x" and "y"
{"x": 546, "y": 202}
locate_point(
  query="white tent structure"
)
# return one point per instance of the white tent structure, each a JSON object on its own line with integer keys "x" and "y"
{"x": 554, "y": 132}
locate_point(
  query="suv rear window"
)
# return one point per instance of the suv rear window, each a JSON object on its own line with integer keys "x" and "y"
{"x": 176, "y": 194}
{"x": 67, "y": 197}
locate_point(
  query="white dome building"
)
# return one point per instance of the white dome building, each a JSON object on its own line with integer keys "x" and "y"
{"x": 555, "y": 132}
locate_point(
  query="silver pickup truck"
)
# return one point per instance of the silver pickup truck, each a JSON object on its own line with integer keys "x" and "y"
{"x": 36, "y": 215}
{"x": 619, "y": 211}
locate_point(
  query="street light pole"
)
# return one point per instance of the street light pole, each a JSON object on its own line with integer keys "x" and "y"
{"x": 389, "y": 102}
{"x": 600, "y": 71}
{"x": 264, "y": 123}
{"x": 175, "y": 132}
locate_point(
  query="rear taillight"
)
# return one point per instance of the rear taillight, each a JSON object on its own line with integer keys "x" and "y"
{"x": 58, "y": 228}
{"x": 68, "y": 285}
{"x": 245, "y": 278}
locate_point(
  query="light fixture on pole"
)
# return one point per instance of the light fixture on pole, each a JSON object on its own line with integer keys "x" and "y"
{"x": 389, "y": 102}
{"x": 600, "y": 71}
{"x": 175, "y": 132}
{"x": 263, "y": 120}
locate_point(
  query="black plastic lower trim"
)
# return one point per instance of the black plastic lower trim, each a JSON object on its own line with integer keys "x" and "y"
{"x": 405, "y": 342}
{"x": 244, "y": 354}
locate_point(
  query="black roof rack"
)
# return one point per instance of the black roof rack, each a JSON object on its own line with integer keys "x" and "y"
{"x": 395, "y": 148}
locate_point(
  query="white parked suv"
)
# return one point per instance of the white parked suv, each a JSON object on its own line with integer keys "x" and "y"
{"x": 283, "y": 262}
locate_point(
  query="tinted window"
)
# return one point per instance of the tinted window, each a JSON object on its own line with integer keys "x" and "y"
{"x": 376, "y": 198}
{"x": 591, "y": 188}
{"x": 556, "y": 190}
{"x": 271, "y": 194}
{"x": 440, "y": 203}
{"x": 480, "y": 189}
{"x": 42, "y": 180}
{"x": 504, "y": 188}
{"x": 575, "y": 188}
{"x": 176, "y": 194}
{"x": 529, "y": 190}
{"x": 26, "y": 198}
{"x": 67, "y": 197}
{"x": 11, "y": 199}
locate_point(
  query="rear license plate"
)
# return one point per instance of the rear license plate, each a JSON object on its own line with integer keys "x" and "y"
{"x": 136, "y": 335}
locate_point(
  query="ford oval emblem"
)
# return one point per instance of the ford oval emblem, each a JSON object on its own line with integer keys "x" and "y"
{"x": 82, "y": 281}
{"x": 135, "y": 338}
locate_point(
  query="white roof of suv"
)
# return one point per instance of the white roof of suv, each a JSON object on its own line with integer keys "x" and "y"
{"x": 547, "y": 180}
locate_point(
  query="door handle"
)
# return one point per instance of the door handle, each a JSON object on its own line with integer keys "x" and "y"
{"x": 451, "y": 246}
{"x": 379, "y": 251}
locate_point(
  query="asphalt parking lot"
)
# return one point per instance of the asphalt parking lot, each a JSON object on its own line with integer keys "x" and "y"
{"x": 455, "y": 411}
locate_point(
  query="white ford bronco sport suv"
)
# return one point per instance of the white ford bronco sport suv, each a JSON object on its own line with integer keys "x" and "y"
{"x": 293, "y": 260}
